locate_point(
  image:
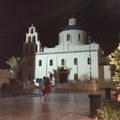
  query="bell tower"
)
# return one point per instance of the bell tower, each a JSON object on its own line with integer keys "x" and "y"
{"x": 31, "y": 46}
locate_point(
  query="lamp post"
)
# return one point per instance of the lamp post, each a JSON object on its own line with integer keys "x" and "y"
{"x": 46, "y": 66}
{"x": 90, "y": 58}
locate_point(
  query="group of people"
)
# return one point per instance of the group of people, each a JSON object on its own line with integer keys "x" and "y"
{"x": 45, "y": 87}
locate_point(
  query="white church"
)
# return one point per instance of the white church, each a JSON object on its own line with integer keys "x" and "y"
{"x": 74, "y": 60}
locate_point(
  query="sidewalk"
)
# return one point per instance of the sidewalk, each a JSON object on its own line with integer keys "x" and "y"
{"x": 63, "y": 105}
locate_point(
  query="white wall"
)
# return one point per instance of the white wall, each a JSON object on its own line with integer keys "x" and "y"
{"x": 107, "y": 73}
{"x": 83, "y": 68}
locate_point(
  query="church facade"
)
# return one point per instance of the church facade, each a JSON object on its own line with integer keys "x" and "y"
{"x": 74, "y": 59}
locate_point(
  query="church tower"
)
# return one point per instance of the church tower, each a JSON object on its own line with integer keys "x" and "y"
{"x": 30, "y": 47}
{"x": 32, "y": 44}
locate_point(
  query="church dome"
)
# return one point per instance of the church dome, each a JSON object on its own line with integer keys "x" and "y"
{"x": 72, "y": 35}
{"x": 72, "y": 25}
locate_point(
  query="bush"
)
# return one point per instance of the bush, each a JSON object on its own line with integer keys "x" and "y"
{"x": 110, "y": 110}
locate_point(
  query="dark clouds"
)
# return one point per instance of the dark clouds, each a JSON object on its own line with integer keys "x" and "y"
{"x": 100, "y": 18}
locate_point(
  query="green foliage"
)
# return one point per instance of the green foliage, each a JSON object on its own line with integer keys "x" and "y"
{"x": 14, "y": 63}
{"x": 109, "y": 111}
{"x": 114, "y": 59}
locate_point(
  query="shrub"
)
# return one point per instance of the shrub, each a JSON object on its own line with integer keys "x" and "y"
{"x": 109, "y": 111}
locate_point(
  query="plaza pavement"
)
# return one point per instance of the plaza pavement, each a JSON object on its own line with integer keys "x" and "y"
{"x": 63, "y": 105}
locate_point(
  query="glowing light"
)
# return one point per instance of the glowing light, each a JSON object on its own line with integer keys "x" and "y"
{"x": 65, "y": 68}
{"x": 118, "y": 98}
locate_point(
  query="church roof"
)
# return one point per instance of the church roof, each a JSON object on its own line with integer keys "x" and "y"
{"x": 72, "y": 27}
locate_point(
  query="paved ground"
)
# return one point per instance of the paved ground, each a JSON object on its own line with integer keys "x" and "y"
{"x": 63, "y": 105}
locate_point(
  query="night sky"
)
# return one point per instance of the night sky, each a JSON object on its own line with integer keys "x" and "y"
{"x": 99, "y": 18}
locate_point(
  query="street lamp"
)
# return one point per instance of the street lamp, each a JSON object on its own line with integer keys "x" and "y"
{"x": 90, "y": 58}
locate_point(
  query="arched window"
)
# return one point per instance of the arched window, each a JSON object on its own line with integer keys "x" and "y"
{"x": 76, "y": 77}
{"x": 29, "y": 39}
{"x": 40, "y": 62}
{"x": 33, "y": 38}
{"x": 89, "y": 60}
{"x": 51, "y": 62}
{"x": 68, "y": 37}
{"x": 79, "y": 37}
{"x": 62, "y": 62}
{"x": 31, "y": 30}
{"x": 75, "y": 61}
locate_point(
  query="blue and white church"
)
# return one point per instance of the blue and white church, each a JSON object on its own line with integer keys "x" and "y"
{"x": 74, "y": 60}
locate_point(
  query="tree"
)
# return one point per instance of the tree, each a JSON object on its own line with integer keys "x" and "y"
{"x": 114, "y": 59}
{"x": 15, "y": 65}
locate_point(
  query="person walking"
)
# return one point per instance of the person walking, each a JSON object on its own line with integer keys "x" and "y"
{"x": 47, "y": 89}
{"x": 43, "y": 86}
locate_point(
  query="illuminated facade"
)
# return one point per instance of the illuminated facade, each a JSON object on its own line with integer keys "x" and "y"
{"x": 74, "y": 58}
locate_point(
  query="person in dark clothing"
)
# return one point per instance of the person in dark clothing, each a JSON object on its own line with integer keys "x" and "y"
{"x": 43, "y": 86}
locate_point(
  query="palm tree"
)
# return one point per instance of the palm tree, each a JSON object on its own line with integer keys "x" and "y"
{"x": 15, "y": 64}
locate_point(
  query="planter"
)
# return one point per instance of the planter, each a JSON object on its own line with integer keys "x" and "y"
{"x": 12, "y": 89}
{"x": 14, "y": 82}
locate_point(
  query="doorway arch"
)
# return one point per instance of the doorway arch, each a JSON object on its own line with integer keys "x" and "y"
{"x": 63, "y": 74}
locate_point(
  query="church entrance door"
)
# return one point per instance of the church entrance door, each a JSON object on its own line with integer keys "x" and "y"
{"x": 63, "y": 77}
